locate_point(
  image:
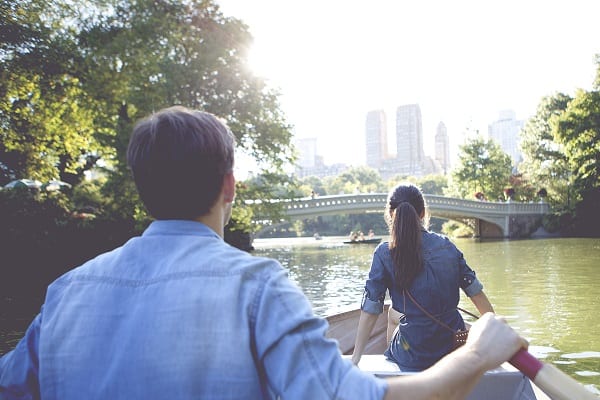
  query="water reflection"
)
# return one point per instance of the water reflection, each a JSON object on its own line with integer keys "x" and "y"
{"x": 547, "y": 288}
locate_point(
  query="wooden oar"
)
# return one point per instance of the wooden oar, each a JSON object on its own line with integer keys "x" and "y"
{"x": 552, "y": 381}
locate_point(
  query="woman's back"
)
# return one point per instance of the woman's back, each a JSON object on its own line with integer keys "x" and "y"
{"x": 421, "y": 341}
{"x": 422, "y": 271}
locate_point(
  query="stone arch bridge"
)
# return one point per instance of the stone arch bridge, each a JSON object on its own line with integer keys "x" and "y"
{"x": 488, "y": 219}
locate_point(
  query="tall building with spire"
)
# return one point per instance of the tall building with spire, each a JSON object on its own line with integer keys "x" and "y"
{"x": 409, "y": 139}
{"x": 376, "y": 135}
{"x": 442, "y": 148}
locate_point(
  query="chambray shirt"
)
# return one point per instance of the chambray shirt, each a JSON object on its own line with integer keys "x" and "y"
{"x": 419, "y": 341}
{"x": 179, "y": 314}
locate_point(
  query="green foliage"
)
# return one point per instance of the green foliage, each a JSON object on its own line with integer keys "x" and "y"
{"x": 523, "y": 189}
{"x": 433, "y": 184}
{"x": 578, "y": 129}
{"x": 545, "y": 164}
{"x": 311, "y": 185}
{"x": 74, "y": 83}
{"x": 253, "y": 206}
{"x": 361, "y": 179}
{"x": 482, "y": 167}
{"x": 561, "y": 147}
{"x": 149, "y": 55}
{"x": 456, "y": 229}
{"x": 46, "y": 118}
{"x": 429, "y": 184}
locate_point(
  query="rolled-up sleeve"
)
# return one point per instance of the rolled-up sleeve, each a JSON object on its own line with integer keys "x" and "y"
{"x": 468, "y": 279}
{"x": 297, "y": 360}
{"x": 375, "y": 287}
{"x": 19, "y": 368}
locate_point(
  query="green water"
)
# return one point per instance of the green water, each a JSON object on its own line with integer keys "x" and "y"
{"x": 548, "y": 289}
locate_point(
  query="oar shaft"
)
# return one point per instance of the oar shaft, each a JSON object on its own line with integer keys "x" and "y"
{"x": 552, "y": 381}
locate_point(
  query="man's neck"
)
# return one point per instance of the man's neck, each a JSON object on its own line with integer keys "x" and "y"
{"x": 214, "y": 220}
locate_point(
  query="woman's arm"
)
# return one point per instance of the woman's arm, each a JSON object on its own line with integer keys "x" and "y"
{"x": 392, "y": 323}
{"x": 482, "y": 303}
{"x": 365, "y": 326}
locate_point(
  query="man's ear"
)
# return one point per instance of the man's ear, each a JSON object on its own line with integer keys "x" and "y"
{"x": 229, "y": 187}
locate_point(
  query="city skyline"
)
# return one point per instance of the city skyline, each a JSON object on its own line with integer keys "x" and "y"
{"x": 463, "y": 62}
{"x": 407, "y": 139}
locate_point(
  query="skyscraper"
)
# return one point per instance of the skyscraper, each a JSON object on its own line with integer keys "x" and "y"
{"x": 307, "y": 151}
{"x": 376, "y": 135}
{"x": 409, "y": 139}
{"x": 442, "y": 147}
{"x": 505, "y": 131}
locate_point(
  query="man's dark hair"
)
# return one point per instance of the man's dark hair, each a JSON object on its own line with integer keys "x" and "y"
{"x": 179, "y": 158}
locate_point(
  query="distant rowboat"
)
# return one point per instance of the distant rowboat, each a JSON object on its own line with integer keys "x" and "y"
{"x": 363, "y": 241}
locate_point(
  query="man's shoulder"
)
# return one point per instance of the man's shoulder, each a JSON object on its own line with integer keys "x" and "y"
{"x": 245, "y": 260}
{"x": 88, "y": 267}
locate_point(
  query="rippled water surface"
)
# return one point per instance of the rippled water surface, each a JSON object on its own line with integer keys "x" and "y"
{"x": 548, "y": 289}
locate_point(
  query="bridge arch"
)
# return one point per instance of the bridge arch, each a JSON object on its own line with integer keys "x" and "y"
{"x": 491, "y": 219}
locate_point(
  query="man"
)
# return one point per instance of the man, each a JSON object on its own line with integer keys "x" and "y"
{"x": 178, "y": 314}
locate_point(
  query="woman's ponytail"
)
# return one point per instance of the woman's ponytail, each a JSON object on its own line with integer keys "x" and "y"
{"x": 405, "y": 208}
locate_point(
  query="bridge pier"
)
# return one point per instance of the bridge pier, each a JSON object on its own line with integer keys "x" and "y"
{"x": 513, "y": 227}
{"x": 488, "y": 230}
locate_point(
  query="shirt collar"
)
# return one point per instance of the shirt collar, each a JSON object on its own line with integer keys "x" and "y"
{"x": 179, "y": 227}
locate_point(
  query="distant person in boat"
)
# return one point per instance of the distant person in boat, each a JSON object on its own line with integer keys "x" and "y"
{"x": 177, "y": 313}
{"x": 371, "y": 234}
{"x": 423, "y": 273}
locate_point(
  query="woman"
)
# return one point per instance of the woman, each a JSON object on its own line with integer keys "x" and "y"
{"x": 423, "y": 272}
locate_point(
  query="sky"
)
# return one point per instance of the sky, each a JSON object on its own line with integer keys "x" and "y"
{"x": 462, "y": 61}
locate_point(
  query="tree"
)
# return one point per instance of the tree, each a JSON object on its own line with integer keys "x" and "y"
{"x": 433, "y": 184}
{"x": 482, "y": 167}
{"x": 545, "y": 163}
{"x": 46, "y": 118}
{"x": 356, "y": 180}
{"x": 143, "y": 55}
{"x": 578, "y": 128}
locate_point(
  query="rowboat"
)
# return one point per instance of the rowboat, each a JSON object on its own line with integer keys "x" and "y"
{"x": 504, "y": 382}
{"x": 363, "y": 241}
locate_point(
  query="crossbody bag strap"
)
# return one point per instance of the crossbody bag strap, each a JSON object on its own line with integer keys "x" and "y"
{"x": 427, "y": 313}
{"x": 467, "y": 312}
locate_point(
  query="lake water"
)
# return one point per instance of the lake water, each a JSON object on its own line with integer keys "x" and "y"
{"x": 548, "y": 289}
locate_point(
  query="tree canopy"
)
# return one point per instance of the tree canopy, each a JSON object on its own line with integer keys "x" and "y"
{"x": 76, "y": 77}
{"x": 544, "y": 160}
{"x": 482, "y": 167}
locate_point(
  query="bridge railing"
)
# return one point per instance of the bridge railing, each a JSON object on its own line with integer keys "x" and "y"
{"x": 503, "y": 208}
{"x": 376, "y": 202}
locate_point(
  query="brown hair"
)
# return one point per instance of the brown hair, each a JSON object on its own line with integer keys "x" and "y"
{"x": 179, "y": 158}
{"x": 405, "y": 206}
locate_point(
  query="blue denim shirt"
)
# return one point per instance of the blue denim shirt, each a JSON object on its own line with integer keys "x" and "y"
{"x": 179, "y": 314}
{"x": 419, "y": 341}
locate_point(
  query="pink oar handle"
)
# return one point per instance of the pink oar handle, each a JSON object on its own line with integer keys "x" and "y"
{"x": 526, "y": 363}
{"x": 555, "y": 383}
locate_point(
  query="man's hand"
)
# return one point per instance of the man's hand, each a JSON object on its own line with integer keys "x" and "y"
{"x": 494, "y": 340}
